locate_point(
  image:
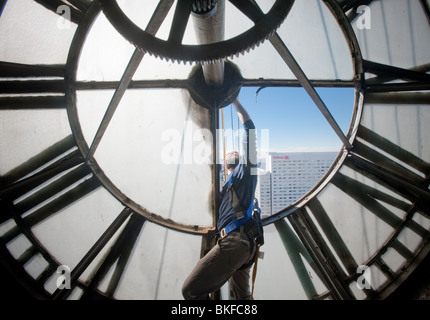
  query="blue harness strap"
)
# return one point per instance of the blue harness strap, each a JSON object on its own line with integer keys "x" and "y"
{"x": 237, "y": 222}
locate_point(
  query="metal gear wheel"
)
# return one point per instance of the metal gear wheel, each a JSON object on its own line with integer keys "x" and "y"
{"x": 265, "y": 24}
{"x": 203, "y": 6}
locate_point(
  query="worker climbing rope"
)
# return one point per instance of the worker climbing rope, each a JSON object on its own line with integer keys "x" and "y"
{"x": 240, "y": 233}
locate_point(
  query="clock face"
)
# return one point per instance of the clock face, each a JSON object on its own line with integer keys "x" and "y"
{"x": 111, "y": 146}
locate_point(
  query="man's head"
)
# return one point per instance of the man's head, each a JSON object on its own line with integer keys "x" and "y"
{"x": 232, "y": 160}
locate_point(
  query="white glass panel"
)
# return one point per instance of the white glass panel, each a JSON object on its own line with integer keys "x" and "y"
{"x": 157, "y": 150}
{"x": 36, "y": 265}
{"x": 70, "y": 233}
{"x": 106, "y": 53}
{"x": 277, "y": 278}
{"x": 18, "y": 246}
{"x": 398, "y": 33}
{"x": 160, "y": 262}
{"x": 76, "y": 294}
{"x": 410, "y": 239}
{"x": 422, "y": 220}
{"x": 314, "y": 38}
{"x": 377, "y": 277}
{"x": 357, "y": 290}
{"x": 404, "y": 125}
{"x": 26, "y": 133}
{"x": 104, "y": 45}
{"x": 7, "y": 226}
{"x": 141, "y": 11}
{"x": 393, "y": 259}
{"x": 32, "y": 34}
{"x": 51, "y": 284}
{"x": 361, "y": 230}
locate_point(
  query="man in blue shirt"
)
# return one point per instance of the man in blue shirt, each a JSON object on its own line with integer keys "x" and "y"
{"x": 231, "y": 258}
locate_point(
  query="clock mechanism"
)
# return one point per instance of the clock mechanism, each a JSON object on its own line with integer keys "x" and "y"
{"x": 111, "y": 113}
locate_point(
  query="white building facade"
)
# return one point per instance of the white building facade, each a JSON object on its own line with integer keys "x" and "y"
{"x": 263, "y": 192}
{"x": 288, "y": 177}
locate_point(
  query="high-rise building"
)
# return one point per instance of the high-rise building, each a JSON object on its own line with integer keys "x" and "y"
{"x": 263, "y": 192}
{"x": 288, "y": 176}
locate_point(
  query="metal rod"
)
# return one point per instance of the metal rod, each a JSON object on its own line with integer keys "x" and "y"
{"x": 209, "y": 28}
{"x": 33, "y": 102}
{"x": 125, "y": 249}
{"x": 62, "y": 201}
{"x": 65, "y": 181}
{"x": 294, "y": 248}
{"x": 122, "y": 247}
{"x": 39, "y": 160}
{"x": 93, "y": 252}
{"x": 359, "y": 192}
{"x": 304, "y": 81}
{"x": 76, "y": 15}
{"x": 377, "y": 158}
{"x": 152, "y": 28}
{"x": 33, "y": 86}
{"x": 396, "y": 87}
{"x": 296, "y": 84}
{"x": 396, "y": 181}
{"x": 180, "y": 21}
{"x": 393, "y": 73}
{"x": 333, "y": 235}
{"x": 326, "y": 265}
{"x": 186, "y": 84}
{"x": 402, "y": 250}
{"x": 18, "y": 70}
{"x": 393, "y": 149}
{"x": 116, "y": 99}
{"x": 23, "y": 186}
{"x": 398, "y": 98}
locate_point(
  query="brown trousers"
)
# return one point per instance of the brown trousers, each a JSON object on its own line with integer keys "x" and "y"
{"x": 221, "y": 264}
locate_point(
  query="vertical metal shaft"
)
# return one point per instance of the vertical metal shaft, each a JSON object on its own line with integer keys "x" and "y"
{"x": 209, "y": 28}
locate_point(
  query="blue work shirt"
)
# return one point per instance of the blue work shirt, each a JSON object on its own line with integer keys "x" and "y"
{"x": 244, "y": 179}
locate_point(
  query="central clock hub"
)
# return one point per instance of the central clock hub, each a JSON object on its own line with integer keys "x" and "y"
{"x": 210, "y": 96}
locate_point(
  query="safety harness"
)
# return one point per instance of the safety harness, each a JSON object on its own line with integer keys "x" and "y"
{"x": 243, "y": 216}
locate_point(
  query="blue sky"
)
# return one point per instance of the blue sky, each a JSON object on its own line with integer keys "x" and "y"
{"x": 293, "y": 121}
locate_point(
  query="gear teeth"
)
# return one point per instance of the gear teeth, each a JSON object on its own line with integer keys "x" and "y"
{"x": 143, "y": 50}
{"x": 271, "y": 34}
{"x": 223, "y": 55}
{"x": 152, "y": 54}
{"x": 230, "y": 56}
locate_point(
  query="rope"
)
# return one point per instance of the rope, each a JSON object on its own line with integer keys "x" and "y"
{"x": 223, "y": 138}
{"x": 254, "y": 271}
{"x": 232, "y": 125}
